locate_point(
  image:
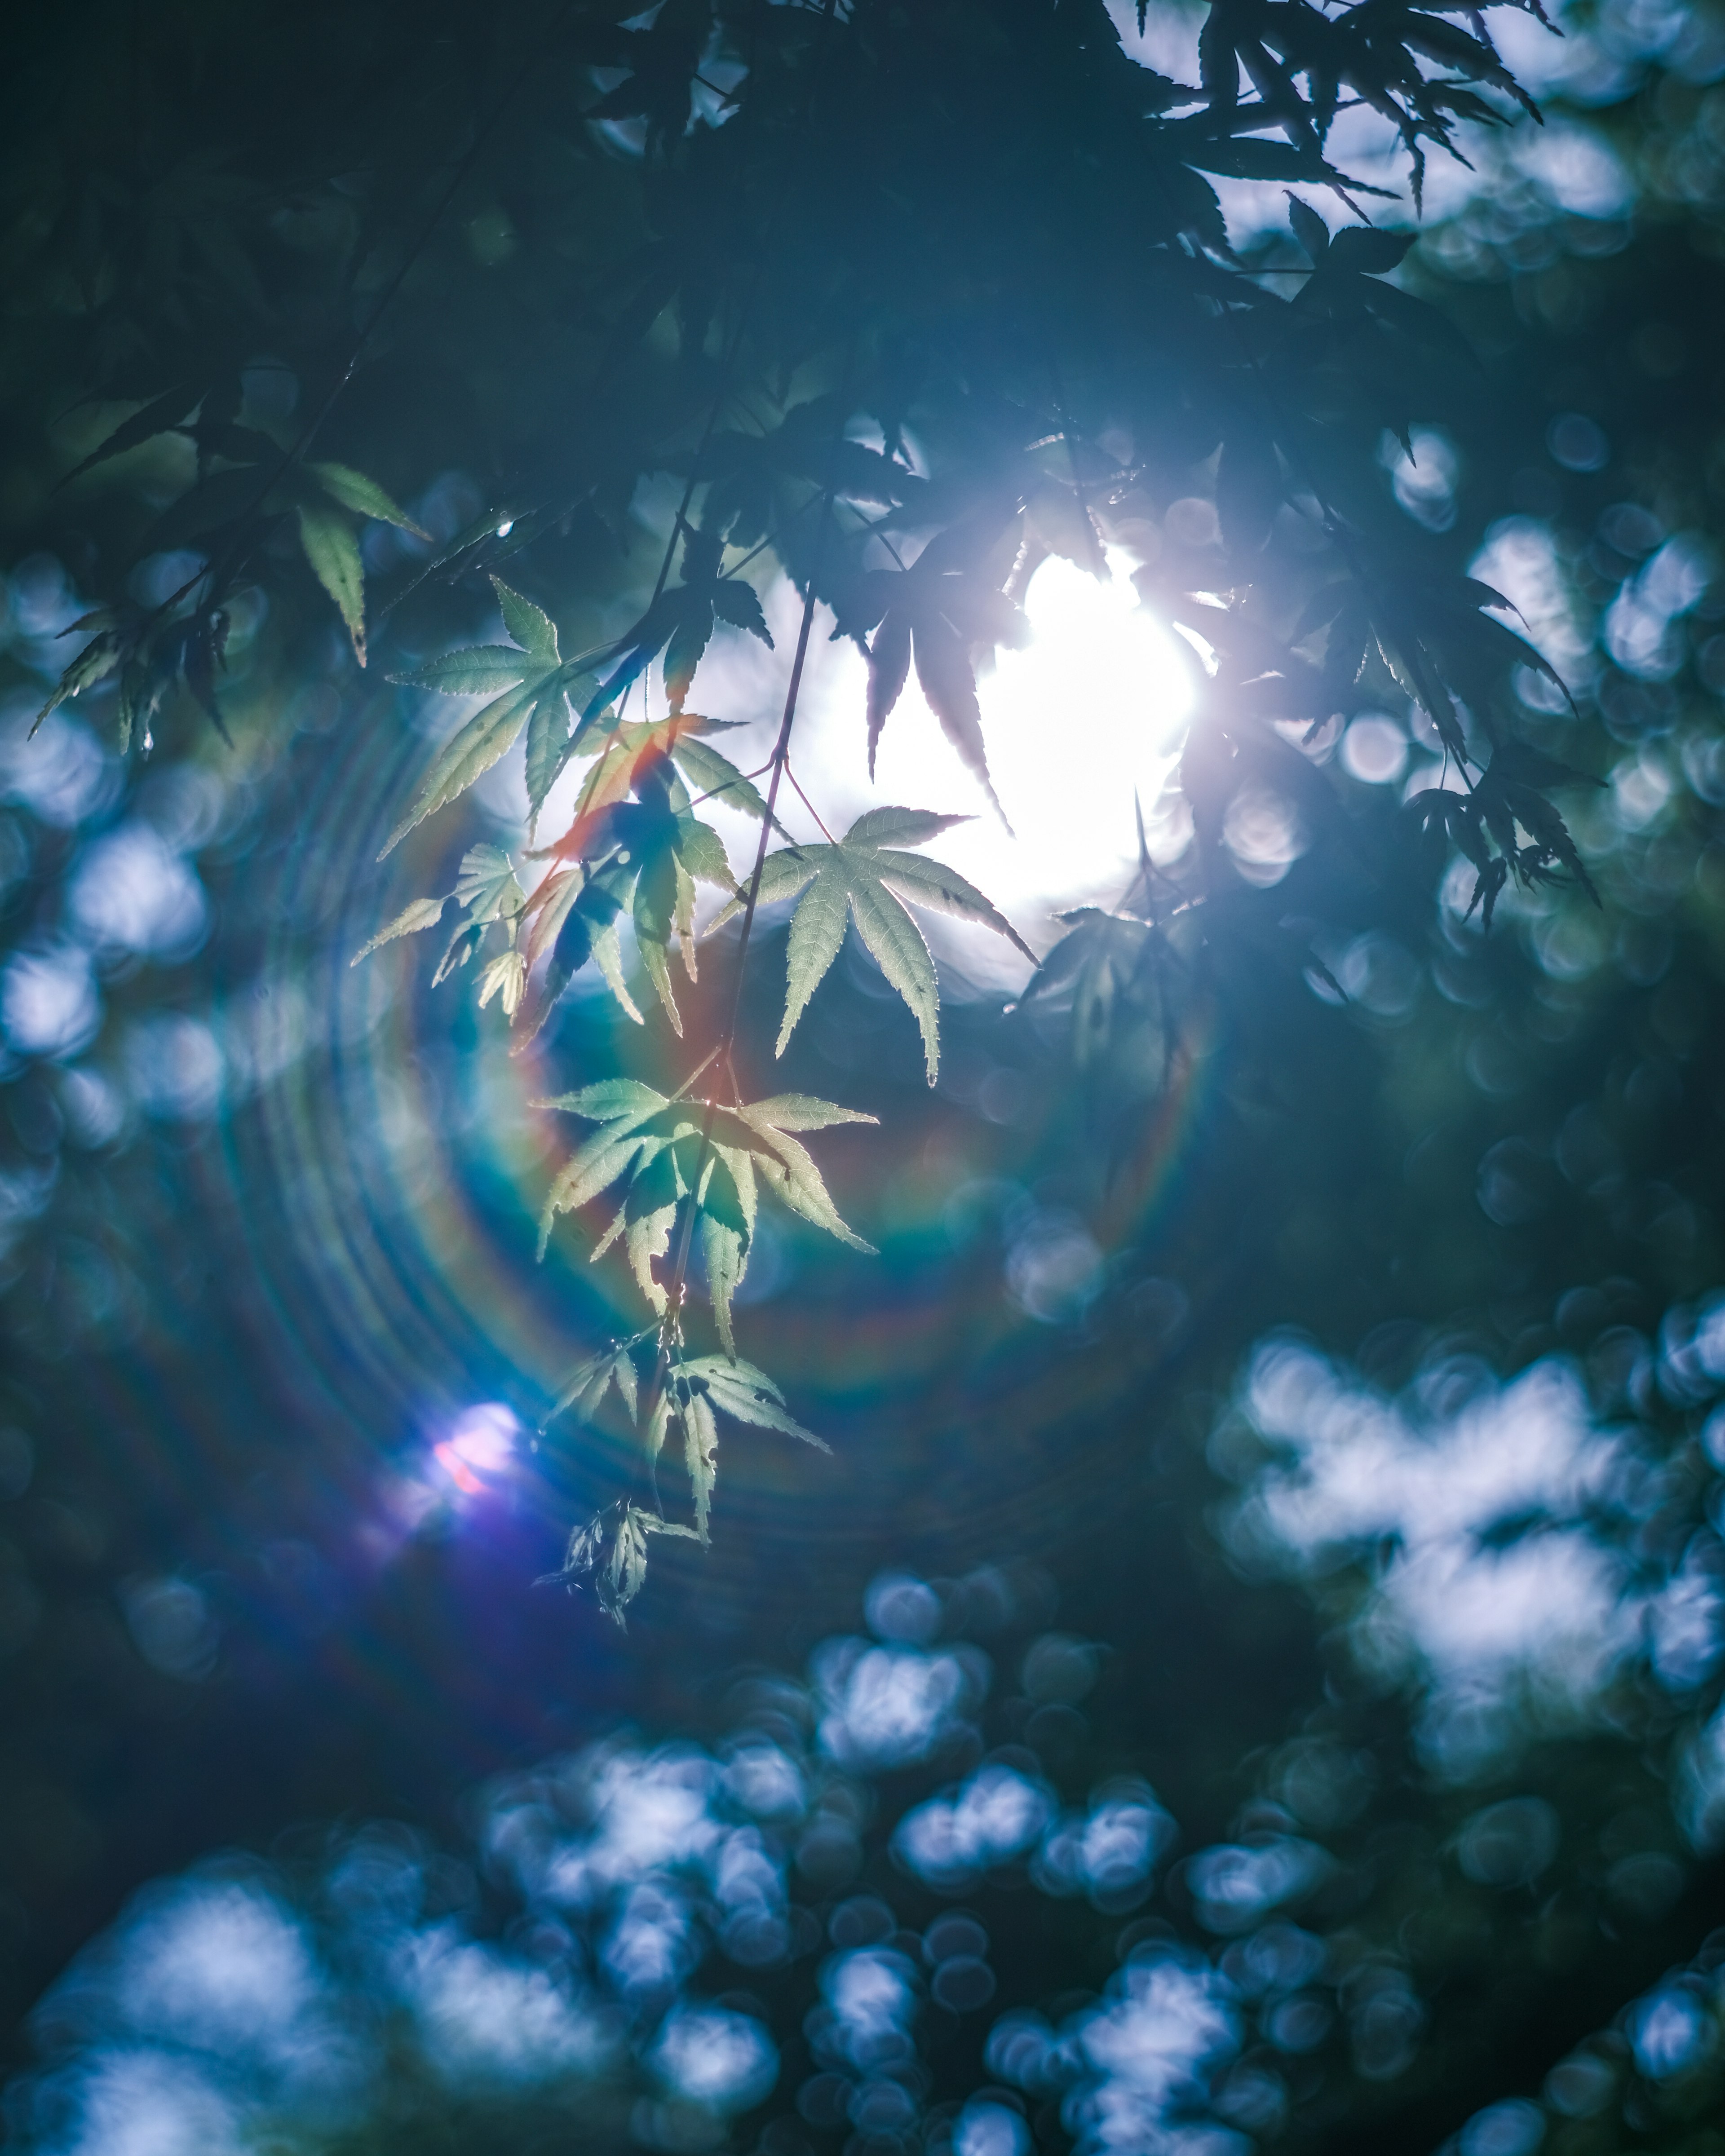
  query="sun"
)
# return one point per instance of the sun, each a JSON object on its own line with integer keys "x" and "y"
{"x": 1090, "y": 713}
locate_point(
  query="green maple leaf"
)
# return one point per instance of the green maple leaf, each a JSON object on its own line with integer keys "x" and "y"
{"x": 486, "y": 885}
{"x": 329, "y": 537}
{"x": 655, "y": 1146}
{"x": 363, "y": 496}
{"x": 647, "y": 854}
{"x": 701, "y": 1455}
{"x": 527, "y": 682}
{"x": 753, "y": 1144}
{"x": 486, "y": 888}
{"x": 867, "y": 877}
{"x": 423, "y": 913}
{"x": 670, "y": 853}
{"x": 627, "y": 757}
{"x": 707, "y": 1385}
{"x": 747, "y": 1395}
{"x": 703, "y": 1387}
{"x": 586, "y": 1391}
{"x": 327, "y": 541}
{"x": 105, "y": 651}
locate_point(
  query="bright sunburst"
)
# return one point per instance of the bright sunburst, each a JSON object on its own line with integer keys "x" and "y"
{"x": 1090, "y": 713}
{"x": 1092, "y": 710}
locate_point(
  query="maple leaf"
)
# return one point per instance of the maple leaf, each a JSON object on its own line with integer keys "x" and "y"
{"x": 753, "y": 1144}
{"x": 747, "y": 1395}
{"x": 487, "y": 891}
{"x": 747, "y": 473}
{"x": 704, "y": 1383}
{"x": 609, "y": 1551}
{"x": 679, "y": 622}
{"x": 106, "y": 649}
{"x": 422, "y": 913}
{"x": 586, "y": 1391}
{"x": 648, "y": 854}
{"x": 627, "y": 755}
{"x": 866, "y": 877}
{"x": 504, "y": 977}
{"x": 662, "y": 61}
{"x": 655, "y": 1145}
{"x": 698, "y": 1388}
{"x": 935, "y": 612}
{"x": 486, "y": 884}
{"x": 671, "y": 852}
{"x": 1097, "y": 962}
{"x": 329, "y": 536}
{"x": 527, "y": 682}
{"x": 151, "y": 656}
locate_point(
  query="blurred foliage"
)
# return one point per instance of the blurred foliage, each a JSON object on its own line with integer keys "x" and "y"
{"x": 270, "y": 1222}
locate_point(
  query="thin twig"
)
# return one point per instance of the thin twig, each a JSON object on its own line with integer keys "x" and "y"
{"x": 808, "y": 803}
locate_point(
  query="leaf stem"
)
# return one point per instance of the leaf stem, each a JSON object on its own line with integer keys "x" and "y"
{"x": 696, "y": 1073}
{"x": 671, "y": 1327}
{"x": 808, "y": 803}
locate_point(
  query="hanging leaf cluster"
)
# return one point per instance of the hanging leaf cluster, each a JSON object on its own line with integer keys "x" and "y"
{"x": 674, "y": 1154}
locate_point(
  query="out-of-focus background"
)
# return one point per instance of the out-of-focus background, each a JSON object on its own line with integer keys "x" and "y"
{"x": 1249, "y": 1668}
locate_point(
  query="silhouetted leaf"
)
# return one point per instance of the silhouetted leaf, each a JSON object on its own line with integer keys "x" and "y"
{"x": 609, "y": 1552}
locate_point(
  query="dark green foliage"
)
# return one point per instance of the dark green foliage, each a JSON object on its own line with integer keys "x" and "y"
{"x": 842, "y": 278}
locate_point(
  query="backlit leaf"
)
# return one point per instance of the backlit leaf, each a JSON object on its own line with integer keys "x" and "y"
{"x": 862, "y": 878}
{"x": 652, "y": 1144}
{"x": 363, "y": 495}
{"x": 529, "y": 626}
{"x": 517, "y": 681}
{"x": 609, "y": 1552}
{"x": 486, "y": 884}
{"x": 488, "y": 734}
{"x": 423, "y": 913}
{"x": 700, "y": 1454}
{"x": 484, "y": 669}
{"x": 549, "y": 747}
{"x": 586, "y": 1391}
{"x": 745, "y": 1394}
{"x": 327, "y": 541}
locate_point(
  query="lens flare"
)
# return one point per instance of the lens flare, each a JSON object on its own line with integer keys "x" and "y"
{"x": 480, "y": 1449}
